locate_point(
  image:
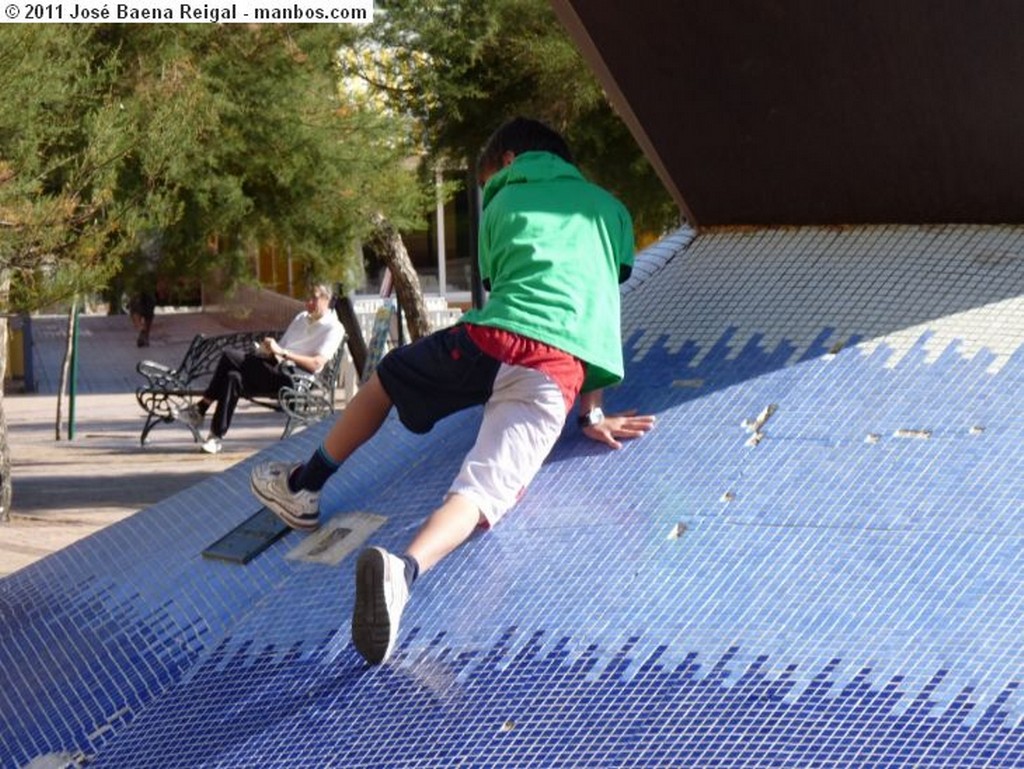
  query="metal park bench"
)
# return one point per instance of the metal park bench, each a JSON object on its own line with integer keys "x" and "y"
{"x": 167, "y": 391}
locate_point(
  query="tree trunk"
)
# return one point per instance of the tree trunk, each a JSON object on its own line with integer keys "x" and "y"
{"x": 5, "y": 454}
{"x": 387, "y": 243}
{"x": 65, "y": 368}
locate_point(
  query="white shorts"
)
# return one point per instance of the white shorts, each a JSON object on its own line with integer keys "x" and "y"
{"x": 522, "y": 420}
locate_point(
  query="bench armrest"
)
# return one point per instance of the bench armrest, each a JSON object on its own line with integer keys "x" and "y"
{"x": 150, "y": 368}
{"x": 160, "y": 377}
{"x": 299, "y": 376}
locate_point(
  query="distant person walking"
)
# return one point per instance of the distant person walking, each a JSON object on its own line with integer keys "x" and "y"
{"x": 142, "y": 309}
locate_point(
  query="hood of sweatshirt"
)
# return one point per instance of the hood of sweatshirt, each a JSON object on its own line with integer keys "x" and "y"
{"x": 530, "y": 167}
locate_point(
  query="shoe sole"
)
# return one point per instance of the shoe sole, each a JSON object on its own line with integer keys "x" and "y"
{"x": 289, "y": 520}
{"x": 371, "y": 621}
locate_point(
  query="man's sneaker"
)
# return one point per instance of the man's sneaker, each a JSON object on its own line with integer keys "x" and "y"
{"x": 381, "y": 595}
{"x": 299, "y": 509}
{"x": 212, "y": 445}
{"x": 193, "y": 416}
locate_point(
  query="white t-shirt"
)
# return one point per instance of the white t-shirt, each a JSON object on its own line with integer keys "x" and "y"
{"x": 305, "y": 336}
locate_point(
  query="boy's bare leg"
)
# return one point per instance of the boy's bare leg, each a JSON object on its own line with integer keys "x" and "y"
{"x": 446, "y": 528}
{"x": 360, "y": 420}
{"x": 383, "y": 580}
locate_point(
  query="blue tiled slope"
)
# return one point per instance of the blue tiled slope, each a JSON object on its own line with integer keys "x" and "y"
{"x": 814, "y": 561}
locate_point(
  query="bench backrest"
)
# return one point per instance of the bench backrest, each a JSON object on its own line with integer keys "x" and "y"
{"x": 331, "y": 372}
{"x": 203, "y": 353}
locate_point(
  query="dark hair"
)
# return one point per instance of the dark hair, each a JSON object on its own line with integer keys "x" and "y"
{"x": 520, "y": 135}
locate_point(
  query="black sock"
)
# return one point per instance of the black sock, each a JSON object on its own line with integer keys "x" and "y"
{"x": 314, "y": 474}
{"x": 412, "y": 569}
{"x": 293, "y": 477}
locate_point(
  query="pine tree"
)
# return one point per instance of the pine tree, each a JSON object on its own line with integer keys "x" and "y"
{"x": 132, "y": 148}
{"x": 463, "y": 67}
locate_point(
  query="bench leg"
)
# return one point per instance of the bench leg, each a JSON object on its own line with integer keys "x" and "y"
{"x": 151, "y": 421}
{"x": 154, "y": 419}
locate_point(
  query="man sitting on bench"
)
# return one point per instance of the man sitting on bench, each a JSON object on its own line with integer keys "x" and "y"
{"x": 309, "y": 342}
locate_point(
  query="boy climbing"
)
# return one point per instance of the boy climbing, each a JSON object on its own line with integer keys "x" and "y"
{"x": 552, "y": 249}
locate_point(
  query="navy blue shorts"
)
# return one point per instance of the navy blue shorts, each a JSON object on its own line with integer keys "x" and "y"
{"x": 437, "y": 376}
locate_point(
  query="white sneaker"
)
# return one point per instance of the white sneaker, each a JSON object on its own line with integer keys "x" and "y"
{"x": 212, "y": 445}
{"x": 193, "y": 416}
{"x": 299, "y": 509}
{"x": 381, "y": 596}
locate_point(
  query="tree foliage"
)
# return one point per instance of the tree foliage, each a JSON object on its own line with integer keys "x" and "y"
{"x": 59, "y": 151}
{"x": 463, "y": 67}
{"x": 133, "y": 150}
{"x": 135, "y": 147}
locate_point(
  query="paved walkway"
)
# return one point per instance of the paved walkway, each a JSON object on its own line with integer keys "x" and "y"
{"x": 65, "y": 490}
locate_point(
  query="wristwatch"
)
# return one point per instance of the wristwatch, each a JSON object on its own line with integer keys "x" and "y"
{"x": 592, "y": 418}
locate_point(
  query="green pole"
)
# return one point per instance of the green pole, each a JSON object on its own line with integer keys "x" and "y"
{"x": 73, "y": 383}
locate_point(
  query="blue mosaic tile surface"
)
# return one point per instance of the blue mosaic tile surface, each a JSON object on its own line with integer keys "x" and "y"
{"x": 814, "y": 561}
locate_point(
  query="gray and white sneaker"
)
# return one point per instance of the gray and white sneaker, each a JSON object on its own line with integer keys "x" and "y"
{"x": 299, "y": 509}
{"x": 193, "y": 416}
{"x": 211, "y": 445}
{"x": 381, "y": 596}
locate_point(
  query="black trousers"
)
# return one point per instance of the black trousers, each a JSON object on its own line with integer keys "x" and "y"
{"x": 239, "y": 374}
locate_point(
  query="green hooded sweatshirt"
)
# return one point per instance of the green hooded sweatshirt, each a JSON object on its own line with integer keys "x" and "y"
{"x": 552, "y": 247}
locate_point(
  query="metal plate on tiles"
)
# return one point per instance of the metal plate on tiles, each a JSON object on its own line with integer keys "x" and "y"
{"x": 248, "y": 539}
{"x": 340, "y": 536}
